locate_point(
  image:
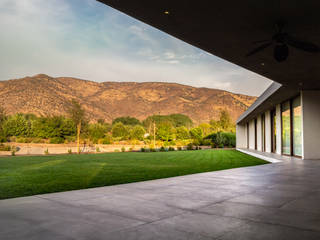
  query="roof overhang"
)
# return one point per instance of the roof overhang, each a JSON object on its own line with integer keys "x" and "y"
{"x": 228, "y": 28}
{"x": 274, "y": 95}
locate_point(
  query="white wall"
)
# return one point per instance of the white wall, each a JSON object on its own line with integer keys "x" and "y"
{"x": 311, "y": 124}
{"x": 259, "y": 135}
{"x": 241, "y": 132}
{"x": 278, "y": 126}
{"x": 268, "y": 131}
{"x": 251, "y": 135}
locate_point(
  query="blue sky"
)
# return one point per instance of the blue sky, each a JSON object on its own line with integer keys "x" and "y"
{"x": 89, "y": 40}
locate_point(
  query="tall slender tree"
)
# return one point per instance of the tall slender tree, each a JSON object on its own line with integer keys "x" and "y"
{"x": 3, "y": 118}
{"x": 77, "y": 114}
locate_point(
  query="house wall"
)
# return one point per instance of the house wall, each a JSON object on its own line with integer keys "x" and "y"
{"x": 268, "y": 131}
{"x": 241, "y": 140}
{"x": 311, "y": 124}
{"x": 251, "y": 135}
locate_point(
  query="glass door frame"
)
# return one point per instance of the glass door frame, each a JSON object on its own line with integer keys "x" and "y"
{"x": 273, "y": 128}
{"x": 291, "y": 128}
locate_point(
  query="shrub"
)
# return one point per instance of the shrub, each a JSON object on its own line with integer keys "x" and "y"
{"x": 162, "y": 149}
{"x": 13, "y": 151}
{"x": 205, "y": 142}
{"x": 46, "y": 152}
{"x": 123, "y": 149}
{"x": 69, "y": 151}
{"x": 179, "y": 148}
{"x": 153, "y": 150}
{"x": 221, "y": 145}
{"x": 190, "y": 146}
{"x": 56, "y": 140}
{"x": 37, "y": 140}
{"x": 116, "y": 150}
{"x": 171, "y": 149}
{"x": 24, "y": 140}
{"x": 5, "y": 148}
{"x": 131, "y": 149}
{"x": 137, "y": 132}
{"x": 98, "y": 149}
{"x": 106, "y": 140}
{"x": 3, "y": 139}
{"x": 142, "y": 150}
{"x": 70, "y": 139}
{"x": 196, "y": 142}
{"x": 223, "y": 138}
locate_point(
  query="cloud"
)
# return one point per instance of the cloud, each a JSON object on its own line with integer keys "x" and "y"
{"x": 88, "y": 40}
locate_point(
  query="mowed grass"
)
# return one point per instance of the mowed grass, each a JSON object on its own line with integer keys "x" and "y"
{"x": 24, "y": 176}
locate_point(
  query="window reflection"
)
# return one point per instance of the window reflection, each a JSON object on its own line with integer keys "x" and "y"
{"x": 297, "y": 131}
{"x": 286, "y": 128}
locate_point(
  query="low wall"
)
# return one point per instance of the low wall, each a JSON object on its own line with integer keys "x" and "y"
{"x": 40, "y": 148}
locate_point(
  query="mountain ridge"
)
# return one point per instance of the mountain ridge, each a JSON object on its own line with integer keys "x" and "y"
{"x": 45, "y": 95}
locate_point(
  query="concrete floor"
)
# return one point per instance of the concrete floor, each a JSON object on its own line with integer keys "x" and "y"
{"x": 274, "y": 201}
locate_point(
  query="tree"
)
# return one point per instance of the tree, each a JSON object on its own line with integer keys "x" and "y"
{"x": 17, "y": 125}
{"x": 3, "y": 118}
{"x": 127, "y": 121}
{"x": 98, "y": 131}
{"x": 176, "y": 120}
{"x": 165, "y": 131}
{"x": 182, "y": 133}
{"x": 223, "y": 124}
{"x": 196, "y": 134}
{"x": 225, "y": 120}
{"x": 215, "y": 126}
{"x": 119, "y": 130}
{"x": 53, "y": 127}
{"x": 77, "y": 114}
{"x": 180, "y": 120}
{"x": 137, "y": 132}
{"x": 205, "y": 128}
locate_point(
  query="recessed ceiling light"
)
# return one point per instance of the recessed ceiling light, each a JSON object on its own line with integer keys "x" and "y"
{"x": 166, "y": 12}
{"x": 262, "y": 64}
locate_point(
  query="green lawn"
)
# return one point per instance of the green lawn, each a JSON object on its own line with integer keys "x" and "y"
{"x": 23, "y": 176}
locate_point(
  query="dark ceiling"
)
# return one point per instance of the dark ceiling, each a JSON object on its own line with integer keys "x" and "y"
{"x": 228, "y": 28}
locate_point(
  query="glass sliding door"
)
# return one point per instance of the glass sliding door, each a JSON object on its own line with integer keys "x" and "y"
{"x": 286, "y": 127}
{"x": 296, "y": 126}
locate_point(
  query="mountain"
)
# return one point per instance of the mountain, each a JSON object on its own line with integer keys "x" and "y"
{"x": 45, "y": 95}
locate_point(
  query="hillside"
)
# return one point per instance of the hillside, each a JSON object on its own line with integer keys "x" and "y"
{"x": 44, "y": 95}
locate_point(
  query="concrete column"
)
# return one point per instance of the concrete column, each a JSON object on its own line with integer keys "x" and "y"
{"x": 310, "y": 124}
{"x": 241, "y": 132}
{"x": 259, "y": 135}
{"x": 279, "y": 131}
{"x": 268, "y": 131}
{"x": 251, "y": 135}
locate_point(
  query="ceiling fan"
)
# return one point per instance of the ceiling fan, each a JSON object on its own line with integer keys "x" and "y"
{"x": 282, "y": 40}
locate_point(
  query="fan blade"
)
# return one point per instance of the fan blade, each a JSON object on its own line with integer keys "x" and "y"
{"x": 305, "y": 46}
{"x": 258, "y": 49}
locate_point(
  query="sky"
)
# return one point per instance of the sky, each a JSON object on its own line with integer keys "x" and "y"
{"x": 89, "y": 40}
